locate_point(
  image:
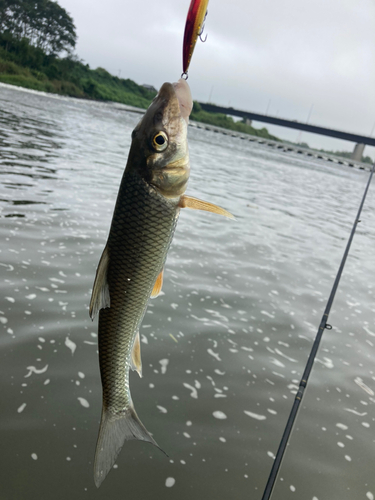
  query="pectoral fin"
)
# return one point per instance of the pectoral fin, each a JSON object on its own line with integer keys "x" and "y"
{"x": 158, "y": 284}
{"x": 136, "y": 362}
{"x": 196, "y": 204}
{"x": 100, "y": 293}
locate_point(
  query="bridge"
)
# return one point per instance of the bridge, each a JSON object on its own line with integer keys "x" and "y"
{"x": 360, "y": 140}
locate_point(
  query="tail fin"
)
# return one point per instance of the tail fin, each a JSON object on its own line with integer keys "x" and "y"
{"x": 114, "y": 430}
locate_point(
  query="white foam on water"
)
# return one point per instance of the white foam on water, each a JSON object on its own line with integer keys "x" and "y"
{"x": 356, "y": 412}
{"x": 342, "y": 426}
{"x": 218, "y": 372}
{"x": 33, "y": 369}
{"x": 278, "y": 363}
{"x": 280, "y": 353}
{"x": 70, "y": 345}
{"x": 219, "y": 415}
{"x": 164, "y": 364}
{"x": 367, "y": 330}
{"x": 268, "y": 314}
{"x": 214, "y": 354}
{"x": 363, "y": 386}
{"x": 169, "y": 482}
{"x": 256, "y": 416}
{"x": 21, "y": 408}
{"x": 194, "y": 392}
{"x": 327, "y": 362}
{"x": 84, "y": 402}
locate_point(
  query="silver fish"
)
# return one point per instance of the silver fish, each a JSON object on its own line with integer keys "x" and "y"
{"x": 130, "y": 270}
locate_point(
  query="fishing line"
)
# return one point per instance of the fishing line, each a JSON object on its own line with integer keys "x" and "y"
{"x": 303, "y": 383}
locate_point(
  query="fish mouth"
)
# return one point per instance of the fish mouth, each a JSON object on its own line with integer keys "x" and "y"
{"x": 172, "y": 102}
{"x": 185, "y": 100}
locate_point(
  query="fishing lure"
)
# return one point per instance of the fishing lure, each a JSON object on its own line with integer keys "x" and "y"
{"x": 193, "y": 29}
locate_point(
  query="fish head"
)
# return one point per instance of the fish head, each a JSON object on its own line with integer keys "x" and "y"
{"x": 159, "y": 142}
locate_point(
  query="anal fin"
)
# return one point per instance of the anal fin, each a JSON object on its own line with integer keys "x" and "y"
{"x": 196, "y": 204}
{"x": 158, "y": 285}
{"x": 100, "y": 298}
{"x": 136, "y": 361}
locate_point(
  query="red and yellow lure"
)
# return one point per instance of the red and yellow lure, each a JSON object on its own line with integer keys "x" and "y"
{"x": 193, "y": 28}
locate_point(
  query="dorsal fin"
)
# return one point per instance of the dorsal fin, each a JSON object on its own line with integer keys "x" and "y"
{"x": 136, "y": 362}
{"x": 100, "y": 292}
{"x": 196, "y": 204}
{"x": 158, "y": 284}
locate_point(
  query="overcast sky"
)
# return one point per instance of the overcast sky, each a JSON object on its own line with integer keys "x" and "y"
{"x": 292, "y": 56}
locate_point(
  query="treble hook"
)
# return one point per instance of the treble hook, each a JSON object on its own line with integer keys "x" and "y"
{"x": 202, "y": 29}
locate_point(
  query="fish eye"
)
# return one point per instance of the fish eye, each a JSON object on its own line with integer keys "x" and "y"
{"x": 160, "y": 141}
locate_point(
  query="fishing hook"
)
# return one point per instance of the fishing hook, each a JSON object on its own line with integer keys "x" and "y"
{"x": 202, "y": 29}
{"x": 185, "y": 75}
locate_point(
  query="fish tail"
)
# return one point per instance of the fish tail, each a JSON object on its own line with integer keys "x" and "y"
{"x": 114, "y": 430}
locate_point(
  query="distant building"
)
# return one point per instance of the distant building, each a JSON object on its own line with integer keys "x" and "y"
{"x": 149, "y": 87}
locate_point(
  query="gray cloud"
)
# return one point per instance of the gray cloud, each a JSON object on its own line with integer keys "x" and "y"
{"x": 289, "y": 55}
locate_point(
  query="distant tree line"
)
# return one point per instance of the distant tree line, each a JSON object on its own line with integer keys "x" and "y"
{"x": 43, "y": 23}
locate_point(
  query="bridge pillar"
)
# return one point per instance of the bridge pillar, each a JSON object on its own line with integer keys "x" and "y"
{"x": 358, "y": 152}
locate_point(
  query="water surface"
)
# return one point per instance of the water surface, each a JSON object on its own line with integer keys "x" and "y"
{"x": 225, "y": 345}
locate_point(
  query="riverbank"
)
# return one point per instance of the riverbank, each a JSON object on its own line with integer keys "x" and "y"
{"x": 102, "y": 86}
{"x": 73, "y": 79}
{"x": 24, "y": 65}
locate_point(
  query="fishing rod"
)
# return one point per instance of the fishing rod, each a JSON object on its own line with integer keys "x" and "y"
{"x": 305, "y": 377}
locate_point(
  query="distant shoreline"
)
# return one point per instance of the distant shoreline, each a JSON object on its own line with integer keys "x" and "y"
{"x": 280, "y": 146}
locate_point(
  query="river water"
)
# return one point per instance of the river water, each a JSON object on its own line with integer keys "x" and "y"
{"x": 225, "y": 345}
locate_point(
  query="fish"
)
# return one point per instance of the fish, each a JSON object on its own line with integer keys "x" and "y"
{"x": 130, "y": 270}
{"x": 193, "y": 28}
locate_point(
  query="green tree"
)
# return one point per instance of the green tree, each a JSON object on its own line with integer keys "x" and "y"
{"x": 44, "y": 23}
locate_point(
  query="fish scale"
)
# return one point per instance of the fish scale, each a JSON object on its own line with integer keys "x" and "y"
{"x": 140, "y": 236}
